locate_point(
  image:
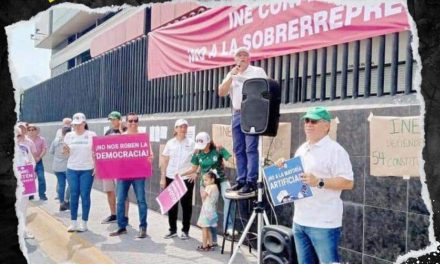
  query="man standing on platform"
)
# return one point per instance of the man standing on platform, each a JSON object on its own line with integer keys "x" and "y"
{"x": 245, "y": 146}
{"x": 317, "y": 220}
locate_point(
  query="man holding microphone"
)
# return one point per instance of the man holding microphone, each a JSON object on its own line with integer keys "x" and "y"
{"x": 245, "y": 146}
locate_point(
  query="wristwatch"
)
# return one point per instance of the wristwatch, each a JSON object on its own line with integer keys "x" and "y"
{"x": 320, "y": 183}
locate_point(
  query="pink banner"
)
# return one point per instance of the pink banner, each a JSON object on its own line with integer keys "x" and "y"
{"x": 171, "y": 195}
{"x": 27, "y": 176}
{"x": 208, "y": 40}
{"x": 122, "y": 156}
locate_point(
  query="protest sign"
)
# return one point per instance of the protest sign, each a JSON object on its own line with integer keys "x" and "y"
{"x": 284, "y": 184}
{"x": 171, "y": 195}
{"x": 122, "y": 156}
{"x": 27, "y": 176}
{"x": 395, "y": 145}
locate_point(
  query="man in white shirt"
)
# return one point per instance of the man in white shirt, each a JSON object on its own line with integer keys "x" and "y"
{"x": 317, "y": 220}
{"x": 245, "y": 146}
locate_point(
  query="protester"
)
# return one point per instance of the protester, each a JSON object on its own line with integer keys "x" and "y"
{"x": 28, "y": 142}
{"x": 245, "y": 146}
{"x": 109, "y": 185}
{"x": 41, "y": 148}
{"x": 23, "y": 126}
{"x": 80, "y": 170}
{"x": 208, "y": 215}
{"x": 59, "y": 166}
{"x": 23, "y": 156}
{"x": 176, "y": 158}
{"x": 317, "y": 219}
{"x": 208, "y": 157}
{"x": 66, "y": 123}
{"x": 122, "y": 187}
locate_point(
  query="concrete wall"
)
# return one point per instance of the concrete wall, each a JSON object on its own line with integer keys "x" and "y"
{"x": 383, "y": 216}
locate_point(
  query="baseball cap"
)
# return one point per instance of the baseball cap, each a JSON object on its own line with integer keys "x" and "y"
{"x": 78, "y": 118}
{"x": 318, "y": 113}
{"x": 114, "y": 115}
{"x": 241, "y": 49}
{"x": 202, "y": 140}
{"x": 180, "y": 122}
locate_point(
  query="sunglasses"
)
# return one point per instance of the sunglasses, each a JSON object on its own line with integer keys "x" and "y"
{"x": 308, "y": 120}
{"x": 31, "y": 129}
{"x": 133, "y": 120}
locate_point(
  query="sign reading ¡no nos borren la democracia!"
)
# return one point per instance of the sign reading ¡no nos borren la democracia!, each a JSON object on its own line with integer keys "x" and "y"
{"x": 122, "y": 156}
{"x": 395, "y": 145}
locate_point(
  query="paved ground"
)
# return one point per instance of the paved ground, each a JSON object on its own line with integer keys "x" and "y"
{"x": 125, "y": 249}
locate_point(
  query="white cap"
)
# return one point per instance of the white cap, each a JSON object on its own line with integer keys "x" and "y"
{"x": 78, "y": 118}
{"x": 180, "y": 122}
{"x": 241, "y": 49}
{"x": 202, "y": 140}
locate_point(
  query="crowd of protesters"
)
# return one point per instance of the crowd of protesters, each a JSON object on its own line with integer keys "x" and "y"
{"x": 74, "y": 167}
{"x": 317, "y": 220}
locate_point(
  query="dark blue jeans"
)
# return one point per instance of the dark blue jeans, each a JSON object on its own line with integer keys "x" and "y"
{"x": 39, "y": 170}
{"x": 311, "y": 242}
{"x": 61, "y": 179}
{"x": 246, "y": 152}
{"x": 80, "y": 183}
{"x": 122, "y": 187}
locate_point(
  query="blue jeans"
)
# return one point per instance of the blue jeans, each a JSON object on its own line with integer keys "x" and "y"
{"x": 61, "y": 178}
{"x": 224, "y": 185}
{"x": 39, "y": 170}
{"x": 122, "y": 187}
{"x": 80, "y": 182}
{"x": 246, "y": 152}
{"x": 321, "y": 242}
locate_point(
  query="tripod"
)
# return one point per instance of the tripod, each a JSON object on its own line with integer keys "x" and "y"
{"x": 258, "y": 211}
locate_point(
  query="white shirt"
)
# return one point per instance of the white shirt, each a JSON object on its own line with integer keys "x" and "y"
{"x": 180, "y": 153}
{"x": 80, "y": 157}
{"x": 237, "y": 83}
{"x": 325, "y": 159}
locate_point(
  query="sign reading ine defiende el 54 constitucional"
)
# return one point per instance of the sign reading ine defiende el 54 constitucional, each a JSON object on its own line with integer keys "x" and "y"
{"x": 395, "y": 146}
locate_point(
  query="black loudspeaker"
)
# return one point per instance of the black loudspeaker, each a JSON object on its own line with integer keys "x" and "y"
{"x": 278, "y": 246}
{"x": 260, "y": 108}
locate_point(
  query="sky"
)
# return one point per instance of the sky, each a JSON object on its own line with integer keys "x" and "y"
{"x": 31, "y": 64}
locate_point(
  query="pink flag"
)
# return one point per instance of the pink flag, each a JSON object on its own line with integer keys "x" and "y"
{"x": 122, "y": 156}
{"x": 27, "y": 176}
{"x": 171, "y": 195}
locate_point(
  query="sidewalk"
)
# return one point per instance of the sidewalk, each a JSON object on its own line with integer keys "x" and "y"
{"x": 96, "y": 246}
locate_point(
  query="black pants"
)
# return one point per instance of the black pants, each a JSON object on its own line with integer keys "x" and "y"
{"x": 186, "y": 203}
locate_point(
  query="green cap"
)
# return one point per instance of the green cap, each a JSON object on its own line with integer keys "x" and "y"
{"x": 114, "y": 115}
{"x": 318, "y": 113}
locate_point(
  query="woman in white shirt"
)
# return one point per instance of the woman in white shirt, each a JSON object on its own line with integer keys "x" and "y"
{"x": 80, "y": 170}
{"x": 176, "y": 158}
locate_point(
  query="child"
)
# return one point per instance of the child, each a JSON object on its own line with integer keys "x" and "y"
{"x": 208, "y": 215}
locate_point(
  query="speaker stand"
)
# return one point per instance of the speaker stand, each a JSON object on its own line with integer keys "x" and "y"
{"x": 258, "y": 212}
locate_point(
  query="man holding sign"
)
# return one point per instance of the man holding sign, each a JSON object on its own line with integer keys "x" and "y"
{"x": 139, "y": 189}
{"x": 317, "y": 220}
